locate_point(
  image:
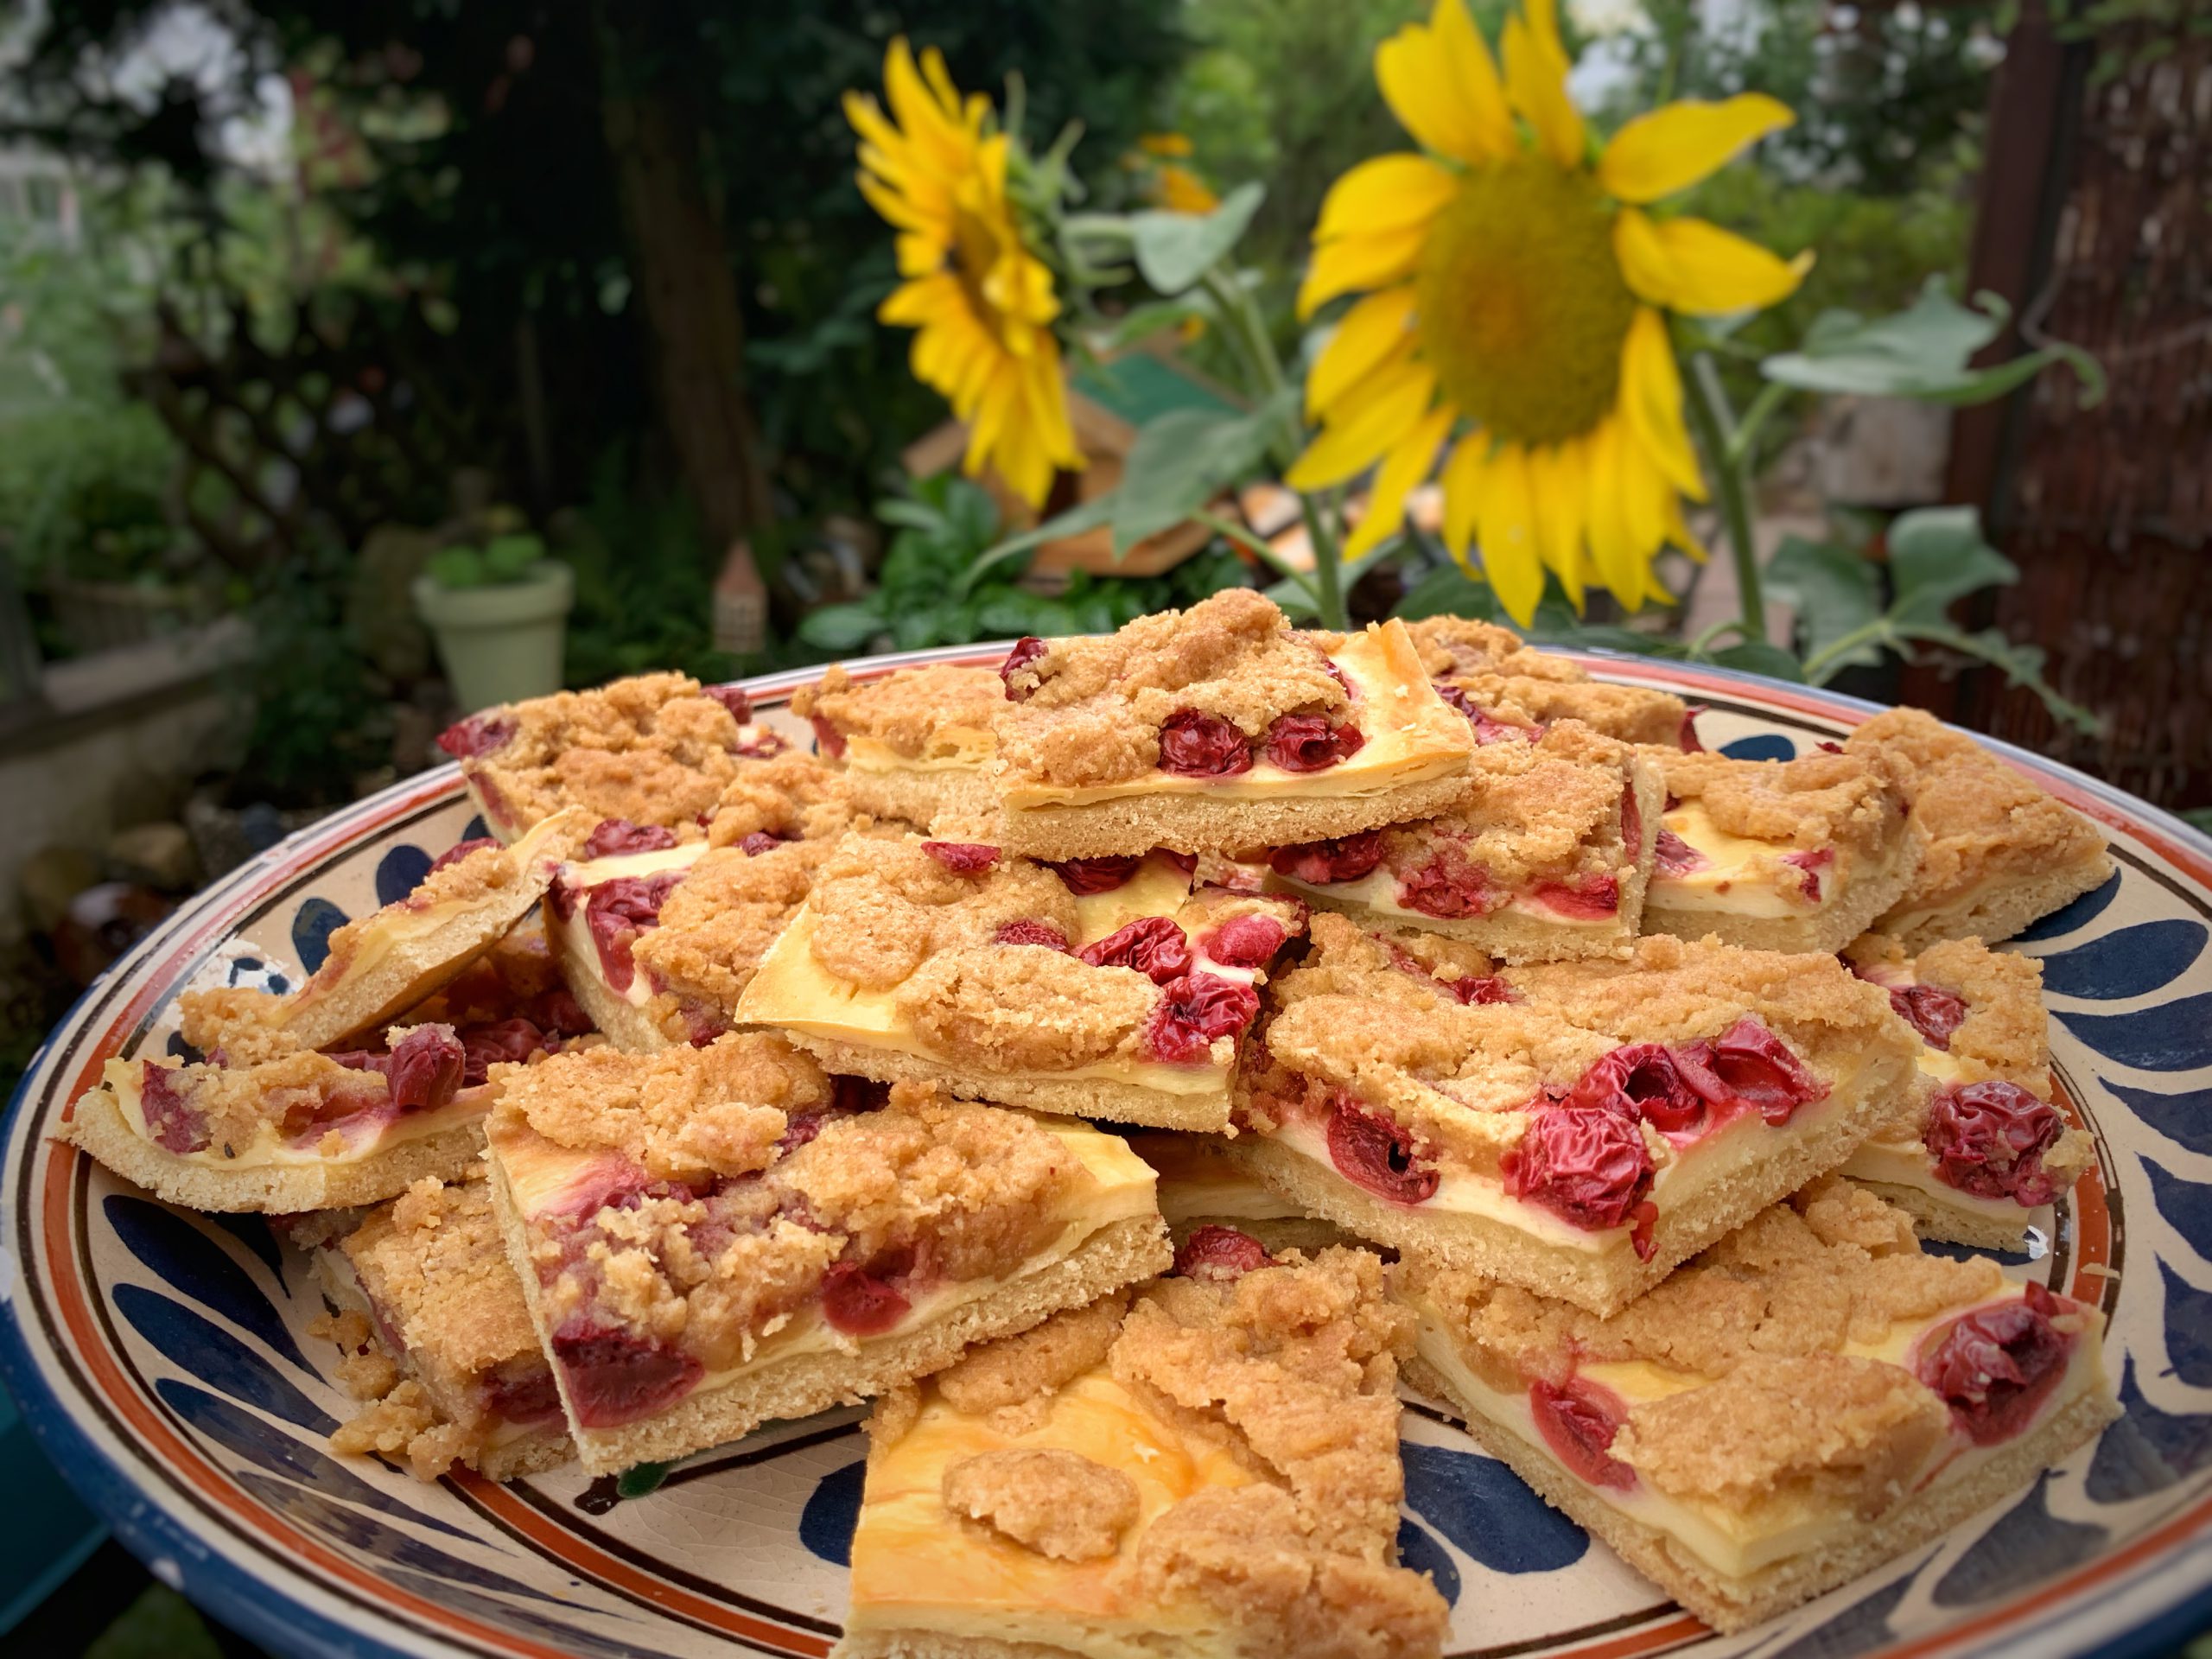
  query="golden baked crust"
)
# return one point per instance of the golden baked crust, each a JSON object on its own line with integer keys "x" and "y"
{"x": 1283, "y": 1379}
{"x": 437, "y": 1335}
{"x": 790, "y": 795}
{"x": 1091, "y": 710}
{"x": 936, "y": 712}
{"x": 654, "y": 749}
{"x": 1984, "y": 827}
{"x": 1520, "y": 685}
{"x": 1821, "y": 799}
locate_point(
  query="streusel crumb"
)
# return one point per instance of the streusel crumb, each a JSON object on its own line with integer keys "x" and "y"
{"x": 1549, "y": 810}
{"x": 1015, "y": 1009}
{"x": 790, "y": 795}
{"x": 1846, "y": 801}
{"x": 685, "y": 1113}
{"x": 433, "y": 1260}
{"x": 1058, "y": 1502}
{"x": 1018, "y": 1371}
{"x": 1522, "y": 685}
{"x": 1090, "y": 710}
{"x": 933, "y": 712}
{"x": 718, "y": 922}
{"x": 881, "y": 907}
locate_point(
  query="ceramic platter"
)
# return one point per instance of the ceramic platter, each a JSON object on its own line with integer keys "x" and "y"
{"x": 163, "y": 1357}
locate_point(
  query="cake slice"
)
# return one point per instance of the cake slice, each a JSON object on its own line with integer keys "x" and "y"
{"x": 916, "y": 744}
{"x": 1776, "y": 854}
{"x": 1978, "y": 1146}
{"x": 1997, "y": 853}
{"x": 1809, "y": 1399}
{"x": 1216, "y": 729}
{"x": 656, "y": 749}
{"x": 1513, "y": 683}
{"x": 438, "y": 1340}
{"x": 711, "y": 1237}
{"x": 1202, "y": 1190}
{"x": 1211, "y": 1471}
{"x": 1101, "y": 987}
{"x": 394, "y": 959}
{"x": 660, "y": 935}
{"x": 1576, "y": 1128}
{"x": 1544, "y": 853}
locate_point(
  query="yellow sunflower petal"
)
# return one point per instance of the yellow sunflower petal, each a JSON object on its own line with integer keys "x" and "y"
{"x": 912, "y": 304}
{"x": 1612, "y": 547}
{"x": 1462, "y": 479}
{"x": 1506, "y": 518}
{"x": 1387, "y": 193}
{"x": 1692, "y": 266}
{"x": 1374, "y": 328}
{"x": 1405, "y": 465}
{"x": 1644, "y": 495}
{"x": 1651, "y": 402}
{"x": 1357, "y": 262}
{"x": 1679, "y": 531}
{"x": 1482, "y": 94}
{"x": 1535, "y": 83}
{"x": 1671, "y": 148}
{"x": 1362, "y": 434}
{"x": 1415, "y": 73}
{"x": 1557, "y": 483}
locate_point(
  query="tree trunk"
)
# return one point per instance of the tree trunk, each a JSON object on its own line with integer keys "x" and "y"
{"x": 682, "y": 271}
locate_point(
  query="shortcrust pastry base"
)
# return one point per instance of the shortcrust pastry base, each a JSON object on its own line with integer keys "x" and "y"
{"x": 1733, "y": 1604}
{"x": 1933, "y": 1218}
{"x": 96, "y": 1126}
{"x": 1195, "y": 823}
{"x": 1121, "y": 1253}
{"x": 1824, "y": 933}
{"x": 1601, "y": 1283}
{"x": 959, "y": 796}
{"x": 2000, "y": 909}
{"x": 935, "y": 1645}
{"x": 1102, "y": 1098}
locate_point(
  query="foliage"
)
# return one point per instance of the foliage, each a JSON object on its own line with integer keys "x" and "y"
{"x": 319, "y": 720}
{"x": 926, "y": 593}
{"x": 644, "y": 583}
{"x": 503, "y": 560}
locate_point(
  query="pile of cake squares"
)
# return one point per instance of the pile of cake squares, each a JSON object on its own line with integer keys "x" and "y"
{"x": 1129, "y": 1067}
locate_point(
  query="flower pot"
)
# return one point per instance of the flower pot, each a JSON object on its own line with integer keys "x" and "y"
{"x": 499, "y": 644}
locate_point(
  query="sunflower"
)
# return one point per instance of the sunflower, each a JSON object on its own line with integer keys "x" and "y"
{"x": 982, "y": 302}
{"x": 1514, "y": 307}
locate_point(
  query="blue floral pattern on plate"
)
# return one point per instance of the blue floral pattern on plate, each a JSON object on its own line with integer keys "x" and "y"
{"x": 165, "y": 1359}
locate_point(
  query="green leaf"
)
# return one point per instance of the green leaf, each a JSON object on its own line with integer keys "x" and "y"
{"x": 1836, "y": 593}
{"x": 1180, "y": 461}
{"x": 1174, "y": 250}
{"x": 458, "y": 566}
{"x": 1937, "y": 556}
{"x": 1449, "y": 591}
{"x": 1921, "y": 351}
{"x": 1296, "y": 598}
{"x": 1084, "y": 515}
{"x": 841, "y": 628}
{"x": 1758, "y": 656}
{"x": 2021, "y": 665}
{"x": 510, "y": 558}
{"x": 1143, "y": 322}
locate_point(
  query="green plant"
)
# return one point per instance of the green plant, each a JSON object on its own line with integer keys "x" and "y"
{"x": 319, "y": 716}
{"x": 501, "y": 561}
{"x": 926, "y": 593}
{"x": 645, "y": 582}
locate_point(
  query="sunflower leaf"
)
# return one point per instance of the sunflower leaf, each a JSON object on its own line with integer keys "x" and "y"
{"x": 2022, "y": 665}
{"x": 1174, "y": 250}
{"x": 1836, "y": 593}
{"x": 1449, "y": 591}
{"x": 1937, "y": 556}
{"x": 1758, "y": 656}
{"x": 1921, "y": 352}
{"x": 1181, "y": 461}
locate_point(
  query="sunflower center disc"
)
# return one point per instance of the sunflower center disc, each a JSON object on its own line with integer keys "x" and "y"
{"x": 1524, "y": 312}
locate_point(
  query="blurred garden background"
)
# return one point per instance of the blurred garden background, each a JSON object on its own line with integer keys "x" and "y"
{"x": 310, "y": 308}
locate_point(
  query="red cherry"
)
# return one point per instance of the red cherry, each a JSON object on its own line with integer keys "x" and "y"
{"x": 1192, "y": 1012}
{"x": 479, "y": 735}
{"x": 176, "y": 1124}
{"x": 459, "y": 850}
{"x": 616, "y": 1377}
{"x": 1194, "y": 744}
{"x": 1084, "y": 876}
{"x": 1931, "y": 1011}
{"x": 733, "y": 698}
{"x": 1989, "y": 1139}
{"x": 1673, "y": 856}
{"x": 1640, "y": 1080}
{"x": 1587, "y": 1166}
{"x": 758, "y": 842}
{"x": 619, "y": 911}
{"x": 1026, "y": 650}
{"x": 1154, "y": 946}
{"x": 1322, "y": 862}
{"x": 962, "y": 857}
{"x": 1220, "y": 1252}
{"x": 1026, "y": 932}
{"x": 1309, "y": 743}
{"x": 615, "y": 837}
{"x": 1996, "y": 1366}
{"x": 505, "y": 1040}
{"x": 1579, "y": 1422}
{"x": 1449, "y": 887}
{"x": 827, "y": 738}
{"x": 1374, "y": 1153}
{"x": 1246, "y": 941}
{"x": 859, "y": 1304}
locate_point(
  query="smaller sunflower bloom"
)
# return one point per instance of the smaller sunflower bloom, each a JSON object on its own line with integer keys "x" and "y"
{"x": 981, "y": 301}
{"x": 1173, "y": 184}
{"x": 1514, "y": 310}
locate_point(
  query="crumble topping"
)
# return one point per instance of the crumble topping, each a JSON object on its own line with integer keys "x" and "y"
{"x": 190, "y": 1109}
{"x": 406, "y": 1424}
{"x": 682, "y": 1115}
{"x": 718, "y": 922}
{"x": 1523, "y": 685}
{"x": 1978, "y": 819}
{"x": 921, "y": 714}
{"x": 1058, "y": 1502}
{"x": 1088, "y": 711}
{"x": 790, "y": 796}
{"x": 1012, "y": 1008}
{"x": 237, "y": 1021}
{"x": 1820, "y": 799}
{"x": 434, "y": 1259}
{"x": 882, "y": 907}
{"x": 655, "y": 749}
{"x": 1006, "y": 1378}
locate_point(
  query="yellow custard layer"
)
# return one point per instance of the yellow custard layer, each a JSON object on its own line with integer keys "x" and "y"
{"x": 793, "y": 991}
{"x": 954, "y": 749}
{"x": 1119, "y": 1187}
{"x": 1735, "y": 1542}
{"x": 915, "y": 1565}
{"x": 1741, "y": 876}
{"x": 123, "y": 1080}
{"x": 1737, "y": 1144}
{"x": 1387, "y": 678}
{"x": 1194, "y": 1183}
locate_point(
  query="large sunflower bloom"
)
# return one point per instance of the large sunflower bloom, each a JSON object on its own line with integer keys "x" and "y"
{"x": 981, "y": 302}
{"x": 1514, "y": 295}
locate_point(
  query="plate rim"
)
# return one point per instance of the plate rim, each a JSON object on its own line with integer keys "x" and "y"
{"x": 269, "y": 1611}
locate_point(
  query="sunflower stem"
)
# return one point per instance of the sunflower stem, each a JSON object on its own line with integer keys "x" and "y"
{"x": 1328, "y": 567}
{"x": 1707, "y": 408}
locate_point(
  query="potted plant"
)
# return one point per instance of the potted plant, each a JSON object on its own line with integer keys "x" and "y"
{"x": 499, "y": 614}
